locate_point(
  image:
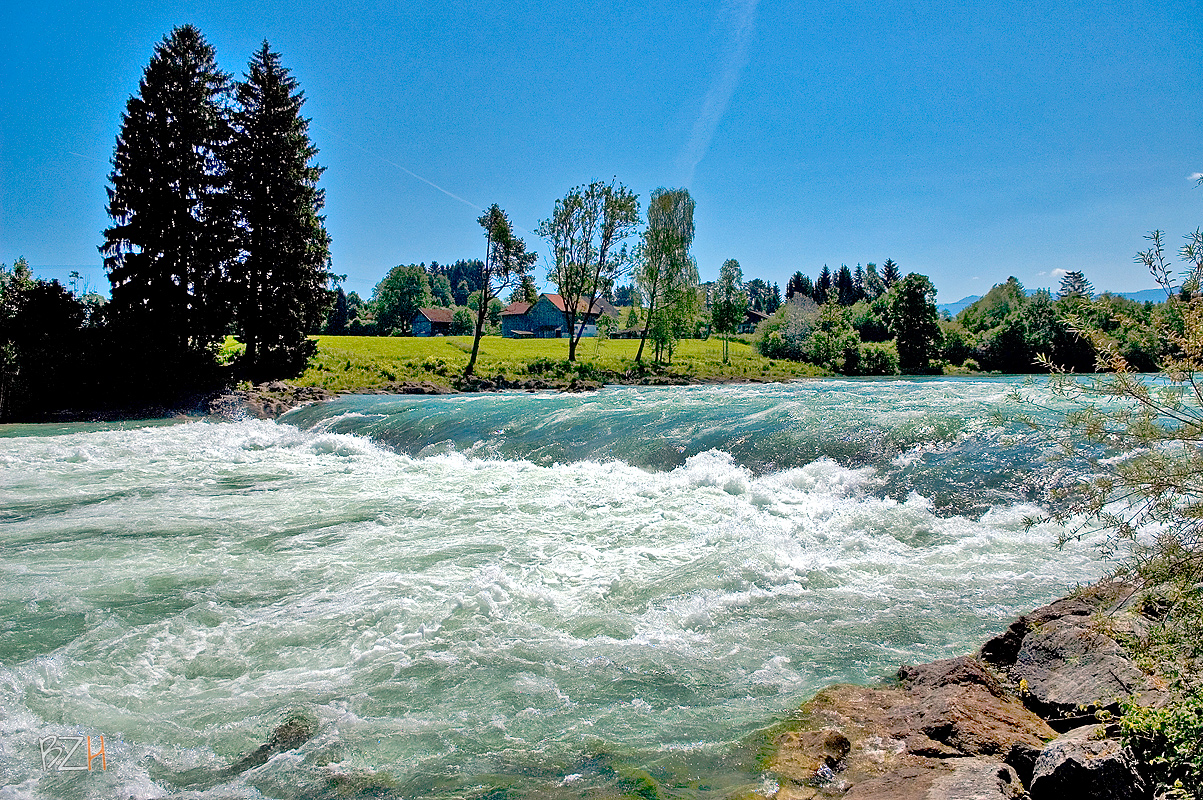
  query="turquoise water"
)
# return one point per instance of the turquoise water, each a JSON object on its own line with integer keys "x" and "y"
{"x": 508, "y": 594}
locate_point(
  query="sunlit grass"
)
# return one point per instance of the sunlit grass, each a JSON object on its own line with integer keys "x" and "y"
{"x": 364, "y": 363}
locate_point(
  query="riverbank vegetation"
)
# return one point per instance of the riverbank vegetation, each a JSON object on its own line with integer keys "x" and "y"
{"x": 1138, "y": 442}
{"x": 357, "y": 363}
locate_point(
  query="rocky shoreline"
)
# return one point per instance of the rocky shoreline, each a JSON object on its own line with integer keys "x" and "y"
{"x": 271, "y": 400}
{"x": 1028, "y": 716}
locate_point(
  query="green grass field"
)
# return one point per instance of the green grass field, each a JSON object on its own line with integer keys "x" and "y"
{"x": 359, "y": 363}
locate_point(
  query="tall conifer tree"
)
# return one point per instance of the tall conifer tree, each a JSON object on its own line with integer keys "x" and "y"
{"x": 279, "y": 282}
{"x": 172, "y": 221}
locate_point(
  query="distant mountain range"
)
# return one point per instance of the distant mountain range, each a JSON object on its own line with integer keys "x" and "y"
{"x": 1143, "y": 296}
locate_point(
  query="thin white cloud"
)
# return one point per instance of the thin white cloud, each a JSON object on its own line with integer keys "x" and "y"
{"x": 741, "y": 16}
{"x": 1059, "y": 273}
{"x": 1198, "y": 176}
{"x": 408, "y": 172}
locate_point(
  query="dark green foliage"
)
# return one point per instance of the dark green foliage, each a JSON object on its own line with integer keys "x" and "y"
{"x": 774, "y": 299}
{"x": 278, "y": 285}
{"x": 869, "y": 320}
{"x": 339, "y": 316}
{"x": 858, "y": 283}
{"x": 875, "y": 287}
{"x": 440, "y": 290}
{"x": 833, "y": 344}
{"x": 398, "y": 297}
{"x": 845, "y": 288}
{"x": 170, "y": 201}
{"x": 1168, "y": 742}
{"x": 42, "y": 343}
{"x": 624, "y": 295}
{"x": 759, "y": 295}
{"x": 1074, "y": 284}
{"x": 992, "y": 308}
{"x": 958, "y": 342}
{"x": 823, "y": 286}
{"x": 462, "y": 321}
{"x": 1016, "y": 333}
{"x": 889, "y": 274}
{"x": 878, "y": 358}
{"x": 464, "y": 277}
{"x": 795, "y": 285}
{"x": 915, "y": 323}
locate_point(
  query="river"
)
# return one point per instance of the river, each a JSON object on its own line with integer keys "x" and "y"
{"x": 499, "y": 595}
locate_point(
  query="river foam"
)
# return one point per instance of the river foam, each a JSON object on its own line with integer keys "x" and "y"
{"x": 476, "y": 614}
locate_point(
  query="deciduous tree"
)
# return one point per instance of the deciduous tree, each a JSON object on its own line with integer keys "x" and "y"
{"x": 667, "y": 276}
{"x": 398, "y": 297}
{"x": 915, "y": 322}
{"x": 440, "y": 290}
{"x": 730, "y": 302}
{"x": 585, "y": 232}
{"x": 506, "y": 261}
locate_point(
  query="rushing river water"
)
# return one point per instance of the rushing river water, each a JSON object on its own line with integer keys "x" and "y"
{"x": 507, "y": 594}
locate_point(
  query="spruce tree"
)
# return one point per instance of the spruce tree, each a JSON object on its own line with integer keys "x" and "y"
{"x": 1074, "y": 284}
{"x": 823, "y": 286}
{"x": 278, "y": 283}
{"x": 889, "y": 273}
{"x": 169, "y": 200}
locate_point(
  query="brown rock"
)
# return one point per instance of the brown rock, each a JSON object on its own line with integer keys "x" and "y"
{"x": 974, "y": 722}
{"x": 948, "y": 712}
{"x": 977, "y": 779}
{"x": 965, "y": 670}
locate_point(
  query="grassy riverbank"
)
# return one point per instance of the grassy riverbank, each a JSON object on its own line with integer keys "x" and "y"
{"x": 367, "y": 363}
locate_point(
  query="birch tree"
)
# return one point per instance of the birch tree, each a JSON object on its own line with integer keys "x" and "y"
{"x": 506, "y": 261}
{"x": 667, "y": 275}
{"x": 586, "y": 231}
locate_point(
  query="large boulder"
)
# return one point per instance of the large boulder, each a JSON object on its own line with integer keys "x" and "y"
{"x": 1069, "y": 669}
{"x": 977, "y": 779}
{"x": 1002, "y": 650}
{"x": 1081, "y": 765}
{"x": 948, "y": 724}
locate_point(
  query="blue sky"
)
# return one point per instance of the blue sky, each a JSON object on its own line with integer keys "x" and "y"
{"x": 967, "y": 141}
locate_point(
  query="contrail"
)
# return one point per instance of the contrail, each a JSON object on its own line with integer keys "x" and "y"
{"x": 408, "y": 172}
{"x": 743, "y": 19}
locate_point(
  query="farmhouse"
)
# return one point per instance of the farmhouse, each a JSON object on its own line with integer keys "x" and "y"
{"x": 548, "y": 318}
{"x": 752, "y": 318}
{"x": 432, "y": 322}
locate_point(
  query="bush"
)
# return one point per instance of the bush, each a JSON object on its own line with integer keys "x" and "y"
{"x": 878, "y": 358}
{"x": 463, "y": 323}
{"x": 1168, "y": 742}
{"x": 784, "y": 334}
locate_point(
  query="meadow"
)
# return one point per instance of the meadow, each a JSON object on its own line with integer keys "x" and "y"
{"x": 366, "y": 363}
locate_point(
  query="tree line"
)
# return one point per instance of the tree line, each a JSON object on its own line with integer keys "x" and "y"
{"x": 216, "y": 230}
{"x": 872, "y": 323}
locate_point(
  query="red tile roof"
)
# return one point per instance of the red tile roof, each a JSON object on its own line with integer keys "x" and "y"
{"x": 599, "y": 306}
